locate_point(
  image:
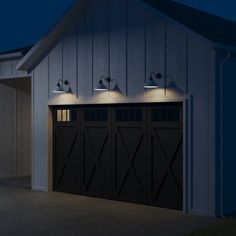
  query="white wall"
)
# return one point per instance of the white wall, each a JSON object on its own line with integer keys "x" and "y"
{"x": 40, "y": 126}
{"x": 23, "y": 133}
{"x": 15, "y": 125}
{"x": 7, "y": 134}
{"x": 226, "y": 134}
{"x": 8, "y": 69}
{"x": 201, "y": 84}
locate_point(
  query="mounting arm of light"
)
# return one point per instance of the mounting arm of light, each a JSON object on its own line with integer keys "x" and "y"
{"x": 108, "y": 80}
{"x": 151, "y": 83}
{"x": 60, "y": 87}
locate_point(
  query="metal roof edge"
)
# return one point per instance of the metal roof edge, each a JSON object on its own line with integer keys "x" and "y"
{"x": 11, "y": 56}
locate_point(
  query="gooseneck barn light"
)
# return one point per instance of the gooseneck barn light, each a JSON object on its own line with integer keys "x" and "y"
{"x": 60, "y": 87}
{"x": 108, "y": 80}
{"x": 152, "y": 84}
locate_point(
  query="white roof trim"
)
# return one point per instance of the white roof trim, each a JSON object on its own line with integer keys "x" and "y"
{"x": 8, "y": 56}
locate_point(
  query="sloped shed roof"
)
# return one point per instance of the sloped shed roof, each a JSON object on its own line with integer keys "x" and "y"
{"x": 14, "y": 54}
{"x": 214, "y": 28}
{"x": 23, "y": 50}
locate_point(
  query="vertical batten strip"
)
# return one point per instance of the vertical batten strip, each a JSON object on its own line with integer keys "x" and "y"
{"x": 126, "y": 47}
{"x": 191, "y": 157}
{"x": 62, "y": 58}
{"x": 48, "y": 75}
{"x": 109, "y": 38}
{"x": 186, "y": 78}
{"x": 32, "y": 130}
{"x": 92, "y": 31}
{"x": 77, "y": 62}
{"x": 145, "y": 46}
{"x": 165, "y": 54}
{"x": 12, "y": 68}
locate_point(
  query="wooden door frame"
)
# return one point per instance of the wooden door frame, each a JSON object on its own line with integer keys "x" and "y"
{"x": 187, "y": 153}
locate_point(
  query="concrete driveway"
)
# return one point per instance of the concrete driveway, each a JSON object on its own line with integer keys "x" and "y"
{"x": 25, "y": 212}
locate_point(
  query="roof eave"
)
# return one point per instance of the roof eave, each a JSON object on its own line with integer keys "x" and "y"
{"x": 11, "y": 56}
{"x": 25, "y": 63}
{"x": 225, "y": 47}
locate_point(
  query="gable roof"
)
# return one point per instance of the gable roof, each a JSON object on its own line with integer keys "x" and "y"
{"x": 214, "y": 28}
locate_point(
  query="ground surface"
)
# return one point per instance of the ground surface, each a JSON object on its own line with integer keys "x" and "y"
{"x": 225, "y": 227}
{"x": 25, "y": 212}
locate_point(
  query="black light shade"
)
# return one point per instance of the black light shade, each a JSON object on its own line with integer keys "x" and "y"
{"x": 100, "y": 86}
{"x": 69, "y": 90}
{"x": 58, "y": 89}
{"x": 116, "y": 88}
{"x": 172, "y": 86}
{"x": 151, "y": 84}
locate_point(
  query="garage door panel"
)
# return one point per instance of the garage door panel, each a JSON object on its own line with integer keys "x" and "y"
{"x": 95, "y": 148}
{"x": 88, "y": 159}
{"x": 97, "y": 184}
{"x": 97, "y": 161}
{"x": 167, "y": 195}
{"x": 168, "y": 139}
{"x": 68, "y": 181}
{"x": 130, "y": 153}
{"x": 177, "y": 167}
{"x": 121, "y": 160}
{"x": 96, "y": 154}
{"x": 66, "y": 166}
{"x": 130, "y": 138}
{"x": 166, "y": 157}
{"x": 158, "y": 162}
{"x": 96, "y": 138}
{"x": 130, "y": 189}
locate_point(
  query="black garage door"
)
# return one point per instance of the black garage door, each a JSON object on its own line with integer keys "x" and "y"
{"x": 128, "y": 152}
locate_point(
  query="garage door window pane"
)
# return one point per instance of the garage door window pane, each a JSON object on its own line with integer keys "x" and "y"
{"x": 95, "y": 114}
{"x": 130, "y": 115}
{"x": 165, "y": 114}
{"x": 66, "y": 115}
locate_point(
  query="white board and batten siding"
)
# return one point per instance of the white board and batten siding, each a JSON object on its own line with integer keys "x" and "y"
{"x": 15, "y": 135}
{"x": 15, "y": 152}
{"x": 8, "y": 70}
{"x": 118, "y": 43}
{"x": 128, "y": 40}
{"x": 7, "y": 134}
{"x": 226, "y": 132}
{"x": 23, "y": 133}
{"x": 40, "y": 96}
{"x": 201, "y": 75}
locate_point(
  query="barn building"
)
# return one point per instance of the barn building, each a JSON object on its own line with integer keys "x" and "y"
{"x": 143, "y": 111}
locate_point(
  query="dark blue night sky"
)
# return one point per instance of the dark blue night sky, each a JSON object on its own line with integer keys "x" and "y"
{"x": 223, "y": 8}
{"x": 24, "y": 22}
